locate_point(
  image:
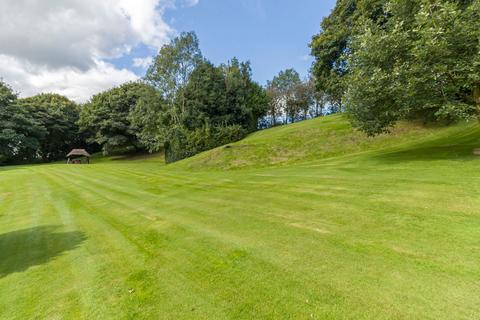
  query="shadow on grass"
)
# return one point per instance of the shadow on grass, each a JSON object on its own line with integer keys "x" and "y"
{"x": 139, "y": 156}
{"x": 22, "y": 249}
{"x": 455, "y": 147}
{"x": 12, "y": 168}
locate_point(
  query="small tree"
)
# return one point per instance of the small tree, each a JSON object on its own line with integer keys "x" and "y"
{"x": 282, "y": 95}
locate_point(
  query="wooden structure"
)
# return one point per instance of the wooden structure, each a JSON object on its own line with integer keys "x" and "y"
{"x": 78, "y": 156}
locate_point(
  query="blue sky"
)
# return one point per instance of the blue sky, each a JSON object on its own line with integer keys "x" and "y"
{"x": 272, "y": 34}
{"x": 81, "y": 47}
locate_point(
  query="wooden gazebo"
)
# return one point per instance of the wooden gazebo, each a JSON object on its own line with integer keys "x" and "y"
{"x": 78, "y": 156}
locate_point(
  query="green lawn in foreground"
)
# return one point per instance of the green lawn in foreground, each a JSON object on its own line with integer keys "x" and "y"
{"x": 339, "y": 227}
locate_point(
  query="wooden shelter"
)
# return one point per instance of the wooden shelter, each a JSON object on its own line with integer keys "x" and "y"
{"x": 78, "y": 156}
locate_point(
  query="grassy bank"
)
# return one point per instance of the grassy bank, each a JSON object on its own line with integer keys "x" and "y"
{"x": 309, "y": 221}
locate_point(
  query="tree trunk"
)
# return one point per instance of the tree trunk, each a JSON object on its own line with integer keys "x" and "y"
{"x": 274, "y": 118}
{"x": 476, "y": 95}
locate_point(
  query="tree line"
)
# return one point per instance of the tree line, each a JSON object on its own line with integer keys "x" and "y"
{"x": 380, "y": 61}
{"x": 39, "y": 128}
{"x": 292, "y": 99}
{"x": 184, "y": 105}
{"x": 387, "y": 60}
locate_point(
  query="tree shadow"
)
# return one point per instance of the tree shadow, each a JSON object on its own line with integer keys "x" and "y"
{"x": 11, "y": 168}
{"x": 22, "y": 249}
{"x": 138, "y": 156}
{"x": 437, "y": 149}
{"x": 452, "y": 152}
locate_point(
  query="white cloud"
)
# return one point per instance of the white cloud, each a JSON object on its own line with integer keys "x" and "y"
{"x": 59, "y": 33}
{"x": 191, "y": 3}
{"x": 143, "y": 63}
{"x": 61, "y": 46}
{"x": 72, "y": 82}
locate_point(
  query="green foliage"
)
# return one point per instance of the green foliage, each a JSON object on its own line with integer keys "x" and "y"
{"x": 205, "y": 98}
{"x": 285, "y": 81}
{"x": 58, "y": 116}
{"x": 198, "y": 105}
{"x": 299, "y": 103}
{"x": 108, "y": 117}
{"x": 281, "y": 91}
{"x": 222, "y": 104}
{"x": 38, "y": 128}
{"x": 183, "y": 143}
{"x": 290, "y": 97}
{"x": 224, "y": 95}
{"x": 186, "y": 105}
{"x": 149, "y": 118}
{"x": 20, "y": 133}
{"x": 331, "y": 47}
{"x": 246, "y": 101}
{"x": 422, "y": 69}
{"x": 408, "y": 59}
{"x": 172, "y": 67}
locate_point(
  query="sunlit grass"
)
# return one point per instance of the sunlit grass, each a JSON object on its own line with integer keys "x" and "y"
{"x": 342, "y": 226}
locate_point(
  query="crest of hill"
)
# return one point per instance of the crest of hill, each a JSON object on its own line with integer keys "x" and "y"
{"x": 333, "y": 136}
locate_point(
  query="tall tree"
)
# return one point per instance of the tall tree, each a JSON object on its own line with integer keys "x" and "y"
{"x": 301, "y": 101}
{"x": 245, "y": 99}
{"x": 217, "y": 104}
{"x": 222, "y": 104}
{"x": 318, "y": 97}
{"x": 150, "y": 119}
{"x": 205, "y": 98}
{"x": 19, "y": 132}
{"x": 332, "y": 46}
{"x": 172, "y": 67}
{"x": 58, "y": 116}
{"x": 423, "y": 63}
{"x": 107, "y": 115}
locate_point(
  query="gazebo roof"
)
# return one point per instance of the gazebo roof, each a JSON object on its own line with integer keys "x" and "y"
{"x": 78, "y": 152}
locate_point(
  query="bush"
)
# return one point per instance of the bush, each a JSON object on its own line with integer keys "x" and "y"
{"x": 183, "y": 143}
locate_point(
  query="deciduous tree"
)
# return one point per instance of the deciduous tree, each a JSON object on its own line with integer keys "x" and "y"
{"x": 107, "y": 115}
{"x": 58, "y": 116}
{"x": 19, "y": 132}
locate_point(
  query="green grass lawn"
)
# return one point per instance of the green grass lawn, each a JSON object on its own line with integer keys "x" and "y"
{"x": 308, "y": 221}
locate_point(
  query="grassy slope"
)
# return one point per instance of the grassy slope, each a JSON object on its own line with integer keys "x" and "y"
{"x": 341, "y": 227}
{"x": 328, "y": 137}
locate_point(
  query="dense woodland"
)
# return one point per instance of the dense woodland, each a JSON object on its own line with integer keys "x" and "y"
{"x": 379, "y": 61}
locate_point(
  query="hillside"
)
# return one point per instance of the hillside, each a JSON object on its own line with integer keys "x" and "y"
{"x": 333, "y": 136}
{"x": 312, "y": 221}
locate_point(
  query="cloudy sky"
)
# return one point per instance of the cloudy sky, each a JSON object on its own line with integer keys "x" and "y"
{"x": 80, "y": 47}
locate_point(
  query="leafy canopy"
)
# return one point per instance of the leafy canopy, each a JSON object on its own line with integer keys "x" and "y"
{"x": 398, "y": 59}
{"x": 107, "y": 117}
{"x": 58, "y": 116}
